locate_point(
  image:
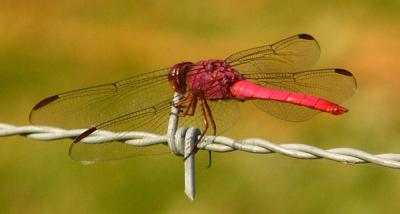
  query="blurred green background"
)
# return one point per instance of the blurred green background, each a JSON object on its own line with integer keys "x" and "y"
{"x": 47, "y": 47}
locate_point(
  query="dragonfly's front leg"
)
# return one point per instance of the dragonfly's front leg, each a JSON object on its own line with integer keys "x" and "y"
{"x": 182, "y": 101}
{"x": 192, "y": 106}
{"x": 179, "y": 105}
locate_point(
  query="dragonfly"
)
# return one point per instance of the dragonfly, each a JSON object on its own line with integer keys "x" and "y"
{"x": 277, "y": 78}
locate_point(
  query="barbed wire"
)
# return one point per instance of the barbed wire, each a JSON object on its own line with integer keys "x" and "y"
{"x": 182, "y": 141}
{"x": 211, "y": 143}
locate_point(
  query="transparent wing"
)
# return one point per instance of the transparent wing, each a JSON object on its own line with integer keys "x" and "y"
{"x": 91, "y": 106}
{"x": 139, "y": 103}
{"x": 335, "y": 85}
{"x": 150, "y": 119}
{"x": 292, "y": 54}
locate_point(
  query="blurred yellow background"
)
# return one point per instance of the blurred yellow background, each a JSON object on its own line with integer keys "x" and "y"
{"x": 47, "y": 47}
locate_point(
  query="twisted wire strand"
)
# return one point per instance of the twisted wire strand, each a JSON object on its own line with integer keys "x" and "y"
{"x": 212, "y": 143}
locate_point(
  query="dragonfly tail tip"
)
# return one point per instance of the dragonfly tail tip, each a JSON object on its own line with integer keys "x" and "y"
{"x": 338, "y": 110}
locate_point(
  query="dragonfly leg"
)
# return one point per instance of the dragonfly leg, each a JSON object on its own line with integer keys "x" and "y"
{"x": 179, "y": 104}
{"x": 213, "y": 126}
{"x": 206, "y": 112}
{"x": 205, "y": 120}
{"x": 210, "y": 116}
{"x": 182, "y": 101}
{"x": 192, "y": 106}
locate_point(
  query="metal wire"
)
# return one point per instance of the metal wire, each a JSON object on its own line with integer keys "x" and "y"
{"x": 212, "y": 143}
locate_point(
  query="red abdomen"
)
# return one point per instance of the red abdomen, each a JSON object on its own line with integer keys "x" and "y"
{"x": 245, "y": 90}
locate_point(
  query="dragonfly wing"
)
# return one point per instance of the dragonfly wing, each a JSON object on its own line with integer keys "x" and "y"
{"x": 140, "y": 103}
{"x": 153, "y": 118}
{"x": 91, "y": 106}
{"x": 335, "y": 85}
{"x": 295, "y": 53}
{"x": 225, "y": 112}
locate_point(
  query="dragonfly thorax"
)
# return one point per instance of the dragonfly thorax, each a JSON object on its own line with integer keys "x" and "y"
{"x": 212, "y": 79}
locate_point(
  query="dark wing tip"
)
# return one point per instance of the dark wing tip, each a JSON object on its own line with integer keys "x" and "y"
{"x": 80, "y": 137}
{"x": 85, "y": 134}
{"x": 45, "y": 102}
{"x": 306, "y": 36}
{"x": 343, "y": 72}
{"x": 42, "y": 104}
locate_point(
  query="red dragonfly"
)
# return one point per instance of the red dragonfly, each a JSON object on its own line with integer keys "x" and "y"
{"x": 274, "y": 77}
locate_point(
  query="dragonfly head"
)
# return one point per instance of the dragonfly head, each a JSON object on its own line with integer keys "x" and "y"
{"x": 177, "y": 76}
